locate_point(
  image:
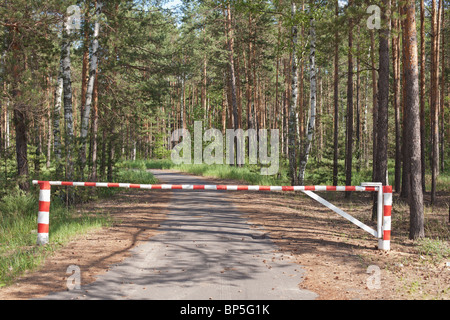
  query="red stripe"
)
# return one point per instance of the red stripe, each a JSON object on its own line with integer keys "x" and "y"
{"x": 387, "y": 189}
{"x": 370, "y": 188}
{"x": 350, "y": 188}
{"x": 310, "y": 188}
{"x": 387, "y": 235}
{"x": 387, "y": 210}
{"x": 242, "y": 187}
{"x": 44, "y": 206}
{"x": 90, "y": 184}
{"x": 221, "y": 187}
{"x": 136, "y": 186}
{"x": 287, "y": 188}
{"x": 199, "y": 187}
{"x": 331, "y": 188}
{"x": 44, "y": 185}
{"x": 113, "y": 185}
{"x": 42, "y": 228}
{"x": 264, "y": 188}
{"x": 65, "y": 183}
{"x": 156, "y": 186}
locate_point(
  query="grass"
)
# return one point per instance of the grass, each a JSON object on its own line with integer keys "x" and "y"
{"x": 18, "y": 228}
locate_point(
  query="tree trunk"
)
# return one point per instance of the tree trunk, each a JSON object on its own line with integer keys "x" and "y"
{"x": 57, "y": 116}
{"x": 397, "y": 93}
{"x": 90, "y": 87}
{"x": 434, "y": 97}
{"x": 413, "y": 123}
{"x": 67, "y": 90}
{"x": 422, "y": 90}
{"x": 349, "y": 132}
{"x": 20, "y": 118}
{"x": 383, "y": 98}
{"x": 292, "y": 128}
{"x": 336, "y": 102}
{"x": 313, "y": 93}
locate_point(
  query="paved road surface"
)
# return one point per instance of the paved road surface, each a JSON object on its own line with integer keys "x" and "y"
{"x": 208, "y": 251}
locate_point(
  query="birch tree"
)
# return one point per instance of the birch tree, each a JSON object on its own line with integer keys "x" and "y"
{"x": 312, "y": 101}
{"x": 292, "y": 132}
{"x": 67, "y": 91}
{"x": 90, "y": 86}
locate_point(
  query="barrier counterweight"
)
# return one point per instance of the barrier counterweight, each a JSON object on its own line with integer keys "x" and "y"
{"x": 383, "y": 209}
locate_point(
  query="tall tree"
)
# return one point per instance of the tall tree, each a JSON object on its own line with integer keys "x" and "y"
{"x": 336, "y": 98}
{"x": 413, "y": 122}
{"x": 90, "y": 86}
{"x": 312, "y": 99}
{"x": 292, "y": 129}
{"x": 349, "y": 132}
{"x": 383, "y": 97}
{"x": 67, "y": 90}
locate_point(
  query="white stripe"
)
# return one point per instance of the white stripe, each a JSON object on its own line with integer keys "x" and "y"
{"x": 187, "y": 187}
{"x": 210, "y": 187}
{"x": 145, "y": 186}
{"x": 44, "y": 195}
{"x": 78, "y": 184}
{"x": 388, "y": 199}
{"x": 124, "y": 185}
{"x": 42, "y": 239}
{"x": 253, "y": 188}
{"x": 387, "y": 223}
{"x": 166, "y": 186}
{"x": 55, "y": 183}
{"x": 384, "y": 244}
{"x": 276, "y": 188}
{"x": 321, "y": 188}
{"x": 43, "y": 217}
{"x": 101, "y": 184}
{"x": 340, "y": 188}
{"x": 299, "y": 188}
{"x": 233, "y": 188}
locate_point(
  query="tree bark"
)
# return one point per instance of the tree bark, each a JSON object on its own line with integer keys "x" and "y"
{"x": 413, "y": 123}
{"x": 313, "y": 93}
{"x": 292, "y": 128}
{"x": 422, "y": 90}
{"x": 20, "y": 116}
{"x": 383, "y": 97}
{"x": 349, "y": 131}
{"x": 90, "y": 87}
{"x": 336, "y": 101}
{"x": 397, "y": 93}
{"x": 67, "y": 90}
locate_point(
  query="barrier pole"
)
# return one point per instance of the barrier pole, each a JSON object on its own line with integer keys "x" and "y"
{"x": 384, "y": 203}
{"x": 44, "y": 212}
{"x": 385, "y": 242}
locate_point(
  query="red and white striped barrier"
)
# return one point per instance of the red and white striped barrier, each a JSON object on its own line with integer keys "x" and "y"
{"x": 44, "y": 212}
{"x": 385, "y": 242}
{"x": 384, "y": 201}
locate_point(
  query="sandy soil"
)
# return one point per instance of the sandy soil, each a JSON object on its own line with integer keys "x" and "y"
{"x": 341, "y": 260}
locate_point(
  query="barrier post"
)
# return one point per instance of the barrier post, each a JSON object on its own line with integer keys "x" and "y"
{"x": 385, "y": 242}
{"x": 44, "y": 212}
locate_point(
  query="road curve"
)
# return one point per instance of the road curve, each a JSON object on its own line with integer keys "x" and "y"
{"x": 207, "y": 251}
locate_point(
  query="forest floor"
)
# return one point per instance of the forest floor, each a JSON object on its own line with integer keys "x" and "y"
{"x": 341, "y": 261}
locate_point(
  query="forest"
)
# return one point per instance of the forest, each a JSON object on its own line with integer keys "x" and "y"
{"x": 357, "y": 89}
